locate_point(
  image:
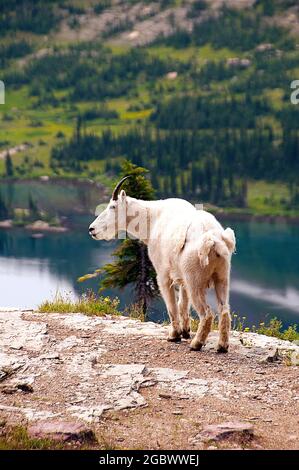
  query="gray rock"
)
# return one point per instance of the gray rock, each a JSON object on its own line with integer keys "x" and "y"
{"x": 66, "y": 368}
{"x": 234, "y": 430}
{"x": 274, "y": 356}
{"x": 64, "y": 431}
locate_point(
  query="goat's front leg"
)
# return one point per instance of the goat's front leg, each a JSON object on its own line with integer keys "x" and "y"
{"x": 222, "y": 294}
{"x": 184, "y": 309}
{"x": 168, "y": 294}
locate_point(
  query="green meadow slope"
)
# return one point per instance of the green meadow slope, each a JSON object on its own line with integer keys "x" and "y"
{"x": 197, "y": 92}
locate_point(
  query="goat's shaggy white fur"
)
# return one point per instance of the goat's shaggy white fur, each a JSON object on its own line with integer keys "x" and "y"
{"x": 189, "y": 250}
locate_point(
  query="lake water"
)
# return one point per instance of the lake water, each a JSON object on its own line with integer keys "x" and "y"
{"x": 264, "y": 282}
{"x": 264, "y": 274}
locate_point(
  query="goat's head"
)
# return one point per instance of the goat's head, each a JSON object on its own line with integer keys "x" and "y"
{"x": 113, "y": 218}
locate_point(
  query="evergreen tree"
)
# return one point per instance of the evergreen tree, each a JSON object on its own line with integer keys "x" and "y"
{"x": 9, "y": 170}
{"x": 33, "y": 209}
{"x": 4, "y": 211}
{"x": 131, "y": 265}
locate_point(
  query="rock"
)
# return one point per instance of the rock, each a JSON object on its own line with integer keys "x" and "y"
{"x": 219, "y": 432}
{"x": 50, "y": 356}
{"x": 274, "y": 356}
{"x": 237, "y": 62}
{"x": 133, "y": 35}
{"x": 165, "y": 395}
{"x": 295, "y": 358}
{"x": 13, "y": 388}
{"x": 14, "y": 150}
{"x": 41, "y": 225}
{"x": 37, "y": 235}
{"x": 64, "y": 431}
{"x": 171, "y": 75}
{"x": 7, "y": 390}
{"x": 6, "y": 224}
{"x": 25, "y": 387}
{"x": 264, "y": 47}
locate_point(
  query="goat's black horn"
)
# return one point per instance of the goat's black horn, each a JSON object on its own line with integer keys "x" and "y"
{"x": 117, "y": 188}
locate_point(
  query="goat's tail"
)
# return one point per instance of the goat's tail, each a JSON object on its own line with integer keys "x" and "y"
{"x": 222, "y": 244}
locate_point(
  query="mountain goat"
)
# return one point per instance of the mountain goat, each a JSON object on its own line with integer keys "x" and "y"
{"x": 189, "y": 249}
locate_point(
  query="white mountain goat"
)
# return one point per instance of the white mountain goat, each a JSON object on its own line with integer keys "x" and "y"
{"x": 189, "y": 249}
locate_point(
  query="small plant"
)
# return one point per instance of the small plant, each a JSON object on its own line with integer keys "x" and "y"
{"x": 274, "y": 328}
{"x": 89, "y": 304}
{"x": 238, "y": 323}
{"x": 135, "y": 311}
{"x": 194, "y": 324}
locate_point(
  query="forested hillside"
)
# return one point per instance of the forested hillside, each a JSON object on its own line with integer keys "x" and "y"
{"x": 203, "y": 101}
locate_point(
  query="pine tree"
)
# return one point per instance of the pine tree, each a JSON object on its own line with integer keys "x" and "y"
{"x": 4, "y": 211}
{"x": 9, "y": 170}
{"x": 33, "y": 209}
{"x": 131, "y": 265}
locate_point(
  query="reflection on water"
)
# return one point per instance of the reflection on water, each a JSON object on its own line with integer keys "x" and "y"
{"x": 264, "y": 275}
{"x": 27, "y": 282}
{"x": 288, "y": 299}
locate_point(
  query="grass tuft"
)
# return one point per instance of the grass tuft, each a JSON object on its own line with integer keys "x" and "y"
{"x": 16, "y": 438}
{"x": 274, "y": 328}
{"x": 135, "y": 311}
{"x": 89, "y": 304}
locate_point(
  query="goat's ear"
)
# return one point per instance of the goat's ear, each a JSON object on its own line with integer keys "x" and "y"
{"x": 122, "y": 195}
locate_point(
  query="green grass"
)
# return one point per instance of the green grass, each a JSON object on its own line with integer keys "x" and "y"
{"x": 88, "y": 303}
{"x": 275, "y": 97}
{"x": 201, "y": 54}
{"x": 269, "y": 199}
{"x": 16, "y": 438}
{"x": 264, "y": 200}
{"x": 19, "y": 129}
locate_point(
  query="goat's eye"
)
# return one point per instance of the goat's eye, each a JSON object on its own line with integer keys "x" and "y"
{"x": 113, "y": 207}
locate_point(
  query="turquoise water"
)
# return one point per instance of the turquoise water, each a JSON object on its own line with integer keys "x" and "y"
{"x": 264, "y": 280}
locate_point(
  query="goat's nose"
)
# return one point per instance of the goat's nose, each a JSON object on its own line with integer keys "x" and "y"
{"x": 91, "y": 230}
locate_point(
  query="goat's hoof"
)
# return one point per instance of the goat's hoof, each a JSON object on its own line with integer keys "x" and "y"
{"x": 222, "y": 349}
{"x": 186, "y": 334}
{"x": 174, "y": 339}
{"x": 195, "y": 346}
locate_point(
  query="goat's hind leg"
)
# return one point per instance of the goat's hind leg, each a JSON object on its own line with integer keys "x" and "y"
{"x": 221, "y": 288}
{"x": 206, "y": 321}
{"x": 184, "y": 310}
{"x": 168, "y": 293}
